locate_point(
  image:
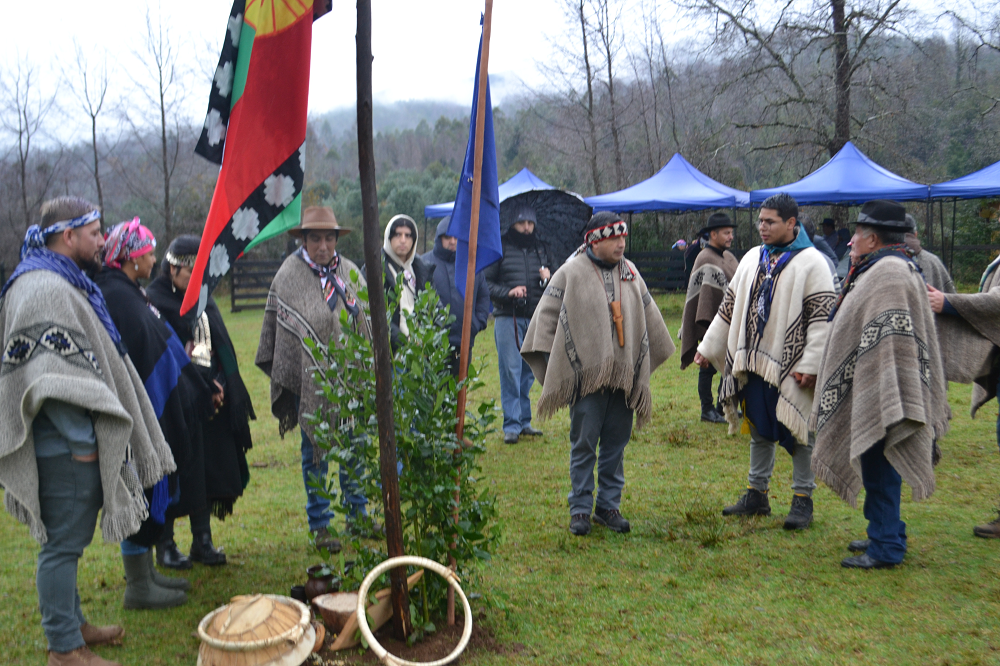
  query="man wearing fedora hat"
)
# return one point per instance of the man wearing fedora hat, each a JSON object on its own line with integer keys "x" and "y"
{"x": 308, "y": 293}
{"x": 713, "y": 269}
{"x": 882, "y": 401}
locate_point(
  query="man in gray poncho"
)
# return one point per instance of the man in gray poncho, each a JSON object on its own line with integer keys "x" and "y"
{"x": 307, "y": 295}
{"x": 713, "y": 268}
{"x": 78, "y": 434}
{"x": 935, "y": 273}
{"x": 969, "y": 330}
{"x": 595, "y": 338}
{"x": 882, "y": 399}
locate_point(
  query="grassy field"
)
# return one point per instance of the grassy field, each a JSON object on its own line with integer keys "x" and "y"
{"x": 685, "y": 587}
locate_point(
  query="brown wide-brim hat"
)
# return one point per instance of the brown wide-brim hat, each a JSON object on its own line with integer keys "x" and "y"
{"x": 318, "y": 218}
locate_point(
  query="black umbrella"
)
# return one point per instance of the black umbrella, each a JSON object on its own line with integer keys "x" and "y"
{"x": 562, "y": 219}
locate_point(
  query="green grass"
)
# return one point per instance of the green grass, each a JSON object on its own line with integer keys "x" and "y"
{"x": 686, "y": 586}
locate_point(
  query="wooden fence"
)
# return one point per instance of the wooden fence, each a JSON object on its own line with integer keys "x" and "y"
{"x": 661, "y": 270}
{"x": 250, "y": 283}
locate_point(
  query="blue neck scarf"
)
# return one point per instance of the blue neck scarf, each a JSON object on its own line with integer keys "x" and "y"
{"x": 36, "y": 259}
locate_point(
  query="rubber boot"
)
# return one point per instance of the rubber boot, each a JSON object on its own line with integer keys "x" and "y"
{"x": 140, "y": 590}
{"x": 166, "y": 581}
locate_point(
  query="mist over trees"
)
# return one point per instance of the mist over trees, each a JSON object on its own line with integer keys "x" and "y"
{"x": 754, "y": 94}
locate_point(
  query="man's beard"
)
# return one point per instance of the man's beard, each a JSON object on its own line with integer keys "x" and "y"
{"x": 89, "y": 264}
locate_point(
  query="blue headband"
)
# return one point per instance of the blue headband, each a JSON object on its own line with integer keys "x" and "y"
{"x": 35, "y": 236}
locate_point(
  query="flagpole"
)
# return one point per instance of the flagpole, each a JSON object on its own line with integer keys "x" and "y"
{"x": 380, "y": 327}
{"x": 470, "y": 273}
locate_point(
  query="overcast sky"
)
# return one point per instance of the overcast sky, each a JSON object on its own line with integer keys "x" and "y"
{"x": 423, "y": 50}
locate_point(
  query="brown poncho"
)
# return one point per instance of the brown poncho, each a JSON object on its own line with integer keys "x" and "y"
{"x": 881, "y": 378}
{"x": 572, "y": 326}
{"x": 969, "y": 343}
{"x": 295, "y": 311}
{"x": 710, "y": 276}
{"x": 935, "y": 273}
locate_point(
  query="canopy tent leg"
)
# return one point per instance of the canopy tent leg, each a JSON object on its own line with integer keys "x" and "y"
{"x": 951, "y": 258}
{"x": 929, "y": 223}
{"x": 941, "y": 219}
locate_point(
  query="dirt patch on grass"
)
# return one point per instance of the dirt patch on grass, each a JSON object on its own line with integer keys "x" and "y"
{"x": 435, "y": 646}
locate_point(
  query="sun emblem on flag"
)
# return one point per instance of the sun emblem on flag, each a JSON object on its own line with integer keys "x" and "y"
{"x": 270, "y": 16}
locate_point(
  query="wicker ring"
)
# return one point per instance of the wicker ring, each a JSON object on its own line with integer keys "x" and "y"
{"x": 441, "y": 570}
{"x": 292, "y": 634}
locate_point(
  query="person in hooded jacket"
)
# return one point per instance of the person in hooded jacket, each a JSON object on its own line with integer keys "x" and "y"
{"x": 399, "y": 256}
{"x": 442, "y": 259}
{"x": 516, "y": 284}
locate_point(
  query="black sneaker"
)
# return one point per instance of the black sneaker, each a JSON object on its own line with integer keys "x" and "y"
{"x": 510, "y": 437}
{"x": 800, "y": 516}
{"x": 612, "y": 519}
{"x": 753, "y": 503}
{"x": 324, "y": 540}
{"x": 531, "y": 432}
{"x": 170, "y": 557}
{"x": 712, "y": 415}
{"x": 579, "y": 524}
{"x": 859, "y": 545}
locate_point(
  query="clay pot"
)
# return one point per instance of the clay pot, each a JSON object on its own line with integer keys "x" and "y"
{"x": 336, "y": 609}
{"x": 320, "y": 584}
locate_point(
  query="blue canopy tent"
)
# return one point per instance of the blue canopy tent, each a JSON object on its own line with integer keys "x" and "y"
{"x": 849, "y": 178}
{"x": 976, "y": 185}
{"x": 676, "y": 188}
{"x": 524, "y": 181}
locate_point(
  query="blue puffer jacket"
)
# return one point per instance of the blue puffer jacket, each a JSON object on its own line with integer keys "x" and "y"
{"x": 443, "y": 281}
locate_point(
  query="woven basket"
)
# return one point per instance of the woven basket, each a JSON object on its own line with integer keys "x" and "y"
{"x": 256, "y": 630}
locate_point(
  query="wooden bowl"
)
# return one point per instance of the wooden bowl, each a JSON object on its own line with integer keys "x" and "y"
{"x": 336, "y": 609}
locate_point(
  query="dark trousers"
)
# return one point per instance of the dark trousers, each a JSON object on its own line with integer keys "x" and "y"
{"x": 705, "y": 392}
{"x": 883, "y": 488}
{"x": 603, "y": 420}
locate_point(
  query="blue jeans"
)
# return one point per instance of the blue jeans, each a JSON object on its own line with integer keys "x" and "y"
{"x": 883, "y": 487}
{"x": 515, "y": 374}
{"x": 317, "y": 507}
{"x": 70, "y": 494}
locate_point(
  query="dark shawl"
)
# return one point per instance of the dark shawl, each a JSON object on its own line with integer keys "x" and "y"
{"x": 227, "y": 434}
{"x": 180, "y": 397}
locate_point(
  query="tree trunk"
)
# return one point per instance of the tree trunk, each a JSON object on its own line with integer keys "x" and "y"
{"x": 380, "y": 328}
{"x": 595, "y": 174}
{"x": 842, "y": 79}
{"x": 97, "y": 174}
{"x": 167, "y": 222}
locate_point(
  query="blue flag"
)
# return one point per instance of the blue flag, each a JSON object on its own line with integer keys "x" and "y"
{"x": 489, "y": 249}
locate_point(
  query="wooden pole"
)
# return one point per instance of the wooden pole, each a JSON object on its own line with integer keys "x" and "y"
{"x": 380, "y": 328}
{"x": 470, "y": 271}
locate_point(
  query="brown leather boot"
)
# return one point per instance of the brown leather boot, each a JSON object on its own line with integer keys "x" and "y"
{"x": 990, "y": 530}
{"x": 78, "y": 657}
{"x": 107, "y": 635}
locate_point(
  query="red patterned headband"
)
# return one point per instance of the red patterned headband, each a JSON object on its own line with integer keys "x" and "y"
{"x": 613, "y": 230}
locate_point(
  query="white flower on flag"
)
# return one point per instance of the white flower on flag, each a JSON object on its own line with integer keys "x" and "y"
{"x": 279, "y": 190}
{"x": 218, "y": 261}
{"x": 302, "y": 158}
{"x": 246, "y": 224}
{"x": 235, "y": 28}
{"x": 214, "y": 127}
{"x": 224, "y": 78}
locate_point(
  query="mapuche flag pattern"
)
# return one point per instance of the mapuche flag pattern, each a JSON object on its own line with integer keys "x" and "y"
{"x": 256, "y": 129}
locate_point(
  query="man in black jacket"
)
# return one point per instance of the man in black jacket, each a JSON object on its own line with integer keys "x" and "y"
{"x": 442, "y": 258}
{"x": 516, "y": 283}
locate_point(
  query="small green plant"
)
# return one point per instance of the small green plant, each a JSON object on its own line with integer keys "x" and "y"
{"x": 434, "y": 465}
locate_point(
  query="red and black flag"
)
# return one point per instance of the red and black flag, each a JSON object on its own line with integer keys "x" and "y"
{"x": 256, "y": 129}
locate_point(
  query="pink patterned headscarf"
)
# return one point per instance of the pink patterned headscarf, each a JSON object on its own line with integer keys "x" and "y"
{"x": 125, "y": 241}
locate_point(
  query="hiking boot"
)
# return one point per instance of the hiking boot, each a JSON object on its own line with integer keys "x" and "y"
{"x": 752, "y": 503}
{"x": 168, "y": 555}
{"x": 990, "y": 530}
{"x": 510, "y": 438}
{"x": 863, "y": 561}
{"x": 579, "y": 524}
{"x": 612, "y": 519}
{"x": 800, "y": 516}
{"x": 140, "y": 590}
{"x": 324, "y": 540}
{"x": 712, "y": 415}
{"x": 81, "y": 656}
{"x": 859, "y": 545}
{"x": 108, "y": 635}
{"x": 202, "y": 550}
{"x": 165, "y": 581}
{"x": 531, "y": 432}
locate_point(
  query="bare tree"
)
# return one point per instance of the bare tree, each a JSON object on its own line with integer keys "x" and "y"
{"x": 610, "y": 41}
{"x": 25, "y": 109}
{"x": 89, "y": 85}
{"x": 164, "y": 95}
{"x": 982, "y": 26}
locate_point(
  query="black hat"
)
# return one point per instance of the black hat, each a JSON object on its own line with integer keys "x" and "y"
{"x": 525, "y": 213}
{"x": 716, "y": 221}
{"x": 883, "y": 213}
